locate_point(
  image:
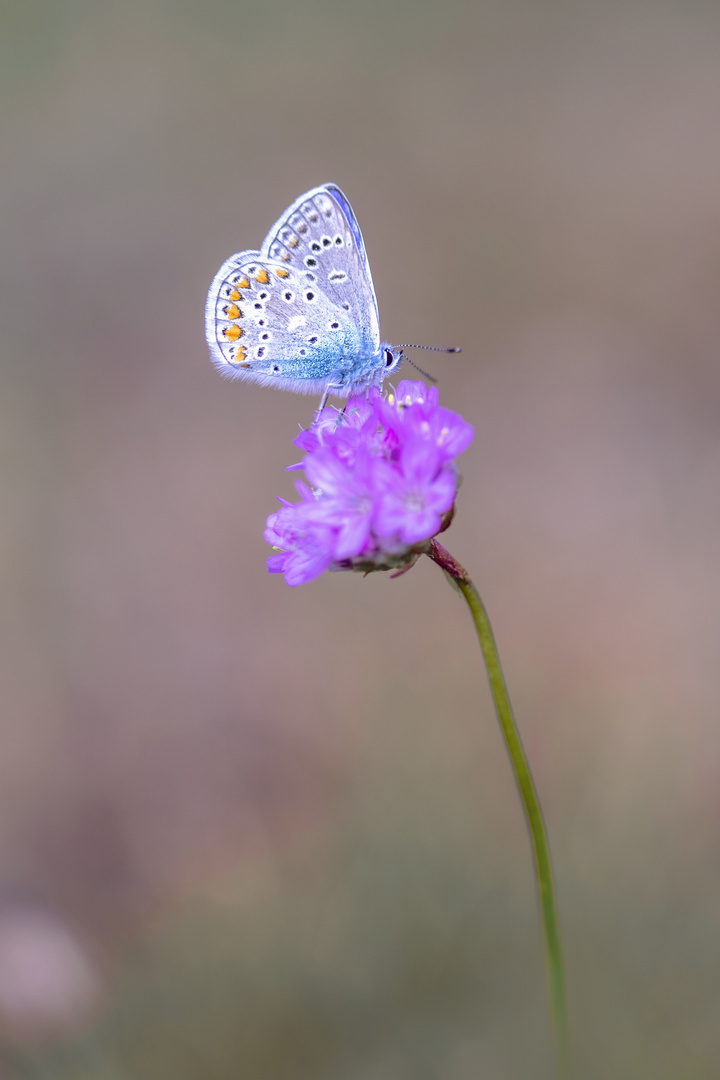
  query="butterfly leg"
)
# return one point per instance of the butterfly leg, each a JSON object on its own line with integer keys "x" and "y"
{"x": 328, "y": 390}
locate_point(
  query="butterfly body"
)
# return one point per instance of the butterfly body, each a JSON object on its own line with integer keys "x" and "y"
{"x": 301, "y": 313}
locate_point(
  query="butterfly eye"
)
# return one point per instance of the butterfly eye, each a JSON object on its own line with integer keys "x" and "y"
{"x": 389, "y": 358}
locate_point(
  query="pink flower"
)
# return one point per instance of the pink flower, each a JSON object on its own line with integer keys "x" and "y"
{"x": 382, "y": 483}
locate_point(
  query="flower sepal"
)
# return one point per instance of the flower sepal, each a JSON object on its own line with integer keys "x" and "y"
{"x": 399, "y": 563}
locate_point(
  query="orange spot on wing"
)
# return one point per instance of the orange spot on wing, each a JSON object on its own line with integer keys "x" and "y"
{"x": 235, "y": 295}
{"x": 293, "y": 242}
{"x": 282, "y": 273}
{"x": 240, "y": 354}
{"x": 285, "y": 256}
{"x": 233, "y": 311}
{"x": 243, "y": 283}
{"x": 232, "y": 333}
{"x": 262, "y": 276}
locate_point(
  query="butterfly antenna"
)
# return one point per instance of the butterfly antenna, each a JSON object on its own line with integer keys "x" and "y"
{"x": 432, "y": 348}
{"x": 430, "y": 378}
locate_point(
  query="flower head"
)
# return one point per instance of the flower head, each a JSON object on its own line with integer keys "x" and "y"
{"x": 382, "y": 482}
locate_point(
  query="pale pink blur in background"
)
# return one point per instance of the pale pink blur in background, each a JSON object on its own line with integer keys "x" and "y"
{"x": 295, "y": 804}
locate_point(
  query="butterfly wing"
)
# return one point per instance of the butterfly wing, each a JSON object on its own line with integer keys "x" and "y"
{"x": 319, "y": 234}
{"x": 301, "y": 313}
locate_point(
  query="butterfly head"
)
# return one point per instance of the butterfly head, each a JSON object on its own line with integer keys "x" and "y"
{"x": 392, "y": 356}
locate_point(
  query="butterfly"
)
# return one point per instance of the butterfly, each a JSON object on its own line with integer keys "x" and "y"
{"x": 301, "y": 313}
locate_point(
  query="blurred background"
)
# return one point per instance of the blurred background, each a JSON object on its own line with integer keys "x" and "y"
{"x": 271, "y": 833}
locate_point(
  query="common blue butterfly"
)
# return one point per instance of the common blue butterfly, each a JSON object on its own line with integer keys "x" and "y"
{"x": 301, "y": 312}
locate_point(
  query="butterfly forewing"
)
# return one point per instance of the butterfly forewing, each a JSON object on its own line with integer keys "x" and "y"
{"x": 319, "y": 235}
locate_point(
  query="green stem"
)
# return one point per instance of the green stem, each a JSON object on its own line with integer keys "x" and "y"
{"x": 555, "y": 964}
